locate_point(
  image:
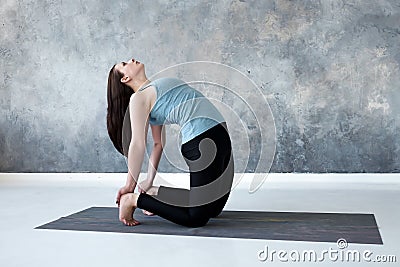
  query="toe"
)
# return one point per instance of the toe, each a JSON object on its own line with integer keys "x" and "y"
{"x": 130, "y": 222}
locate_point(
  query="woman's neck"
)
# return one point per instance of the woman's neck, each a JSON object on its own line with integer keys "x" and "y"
{"x": 139, "y": 84}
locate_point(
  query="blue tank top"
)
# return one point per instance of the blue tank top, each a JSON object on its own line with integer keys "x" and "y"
{"x": 179, "y": 103}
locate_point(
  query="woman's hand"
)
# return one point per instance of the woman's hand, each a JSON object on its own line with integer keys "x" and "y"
{"x": 122, "y": 191}
{"x": 145, "y": 185}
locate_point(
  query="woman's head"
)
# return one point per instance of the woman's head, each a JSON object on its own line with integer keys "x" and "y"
{"x": 124, "y": 79}
{"x": 133, "y": 73}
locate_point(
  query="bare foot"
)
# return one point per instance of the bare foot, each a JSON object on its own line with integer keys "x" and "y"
{"x": 126, "y": 208}
{"x": 145, "y": 212}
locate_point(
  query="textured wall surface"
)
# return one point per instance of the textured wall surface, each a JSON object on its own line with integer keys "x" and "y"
{"x": 329, "y": 69}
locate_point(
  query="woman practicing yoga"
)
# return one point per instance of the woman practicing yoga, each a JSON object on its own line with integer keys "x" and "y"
{"x": 206, "y": 146}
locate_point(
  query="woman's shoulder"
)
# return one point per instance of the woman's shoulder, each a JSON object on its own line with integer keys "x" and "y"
{"x": 169, "y": 81}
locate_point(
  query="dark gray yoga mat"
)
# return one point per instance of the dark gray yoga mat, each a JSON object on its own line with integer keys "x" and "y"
{"x": 294, "y": 226}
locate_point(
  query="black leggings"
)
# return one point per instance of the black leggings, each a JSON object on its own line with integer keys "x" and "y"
{"x": 211, "y": 169}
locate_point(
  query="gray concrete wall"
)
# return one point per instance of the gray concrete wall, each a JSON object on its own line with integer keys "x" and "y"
{"x": 329, "y": 69}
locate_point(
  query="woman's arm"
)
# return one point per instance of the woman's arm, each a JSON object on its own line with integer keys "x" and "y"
{"x": 158, "y": 133}
{"x": 139, "y": 109}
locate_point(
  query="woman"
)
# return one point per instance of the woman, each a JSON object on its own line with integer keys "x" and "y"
{"x": 206, "y": 146}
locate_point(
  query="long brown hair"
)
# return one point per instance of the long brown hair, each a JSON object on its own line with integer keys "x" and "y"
{"x": 118, "y": 95}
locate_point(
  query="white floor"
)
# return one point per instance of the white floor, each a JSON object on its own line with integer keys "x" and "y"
{"x": 30, "y": 200}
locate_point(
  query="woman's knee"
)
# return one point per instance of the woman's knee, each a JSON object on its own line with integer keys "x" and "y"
{"x": 196, "y": 222}
{"x": 198, "y": 217}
